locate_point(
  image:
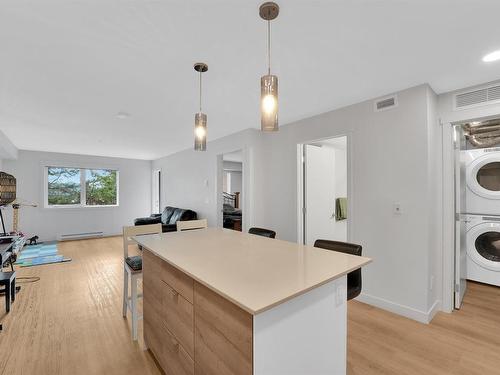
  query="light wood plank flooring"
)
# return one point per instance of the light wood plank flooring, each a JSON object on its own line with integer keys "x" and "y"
{"x": 70, "y": 323}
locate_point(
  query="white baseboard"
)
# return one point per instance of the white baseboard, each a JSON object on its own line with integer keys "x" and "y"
{"x": 406, "y": 311}
{"x": 436, "y": 306}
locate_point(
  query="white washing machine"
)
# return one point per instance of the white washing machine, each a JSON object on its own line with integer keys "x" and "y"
{"x": 483, "y": 248}
{"x": 482, "y": 168}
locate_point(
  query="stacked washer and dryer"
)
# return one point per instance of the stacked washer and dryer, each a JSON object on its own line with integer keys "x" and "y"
{"x": 483, "y": 218}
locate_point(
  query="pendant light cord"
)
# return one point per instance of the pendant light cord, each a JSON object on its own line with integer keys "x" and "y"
{"x": 200, "y": 90}
{"x": 268, "y": 47}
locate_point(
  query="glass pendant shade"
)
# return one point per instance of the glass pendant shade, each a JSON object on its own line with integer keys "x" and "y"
{"x": 269, "y": 103}
{"x": 200, "y": 132}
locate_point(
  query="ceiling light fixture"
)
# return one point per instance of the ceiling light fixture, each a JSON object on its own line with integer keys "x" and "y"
{"x": 493, "y": 56}
{"x": 122, "y": 115}
{"x": 269, "y": 83}
{"x": 200, "y": 119}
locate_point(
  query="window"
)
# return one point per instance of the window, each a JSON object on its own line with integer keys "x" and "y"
{"x": 70, "y": 187}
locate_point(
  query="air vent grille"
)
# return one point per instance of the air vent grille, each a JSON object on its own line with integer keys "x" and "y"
{"x": 385, "y": 103}
{"x": 494, "y": 93}
{"x": 488, "y": 95}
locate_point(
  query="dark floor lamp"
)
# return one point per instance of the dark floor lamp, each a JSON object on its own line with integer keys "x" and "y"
{"x": 7, "y": 193}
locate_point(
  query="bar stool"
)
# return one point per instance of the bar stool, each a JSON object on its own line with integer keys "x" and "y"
{"x": 183, "y": 225}
{"x": 262, "y": 232}
{"x": 8, "y": 280}
{"x": 132, "y": 269}
{"x": 354, "y": 281}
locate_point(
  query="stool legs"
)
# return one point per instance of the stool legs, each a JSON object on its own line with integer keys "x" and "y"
{"x": 131, "y": 302}
{"x": 133, "y": 306}
{"x": 7, "y": 296}
{"x": 13, "y": 290}
{"x": 125, "y": 291}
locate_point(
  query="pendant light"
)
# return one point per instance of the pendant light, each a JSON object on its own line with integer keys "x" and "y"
{"x": 200, "y": 119}
{"x": 269, "y": 83}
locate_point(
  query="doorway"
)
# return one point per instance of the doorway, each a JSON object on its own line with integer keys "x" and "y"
{"x": 323, "y": 186}
{"x": 156, "y": 192}
{"x": 231, "y": 190}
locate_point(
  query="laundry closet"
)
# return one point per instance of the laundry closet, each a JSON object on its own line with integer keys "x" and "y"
{"x": 477, "y": 195}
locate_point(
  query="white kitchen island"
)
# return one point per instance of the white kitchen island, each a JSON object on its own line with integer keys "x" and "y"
{"x": 220, "y": 302}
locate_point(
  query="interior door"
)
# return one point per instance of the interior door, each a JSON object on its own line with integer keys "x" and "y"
{"x": 460, "y": 221}
{"x": 320, "y": 193}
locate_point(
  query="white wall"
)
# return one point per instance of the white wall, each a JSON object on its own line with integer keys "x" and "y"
{"x": 48, "y": 223}
{"x": 389, "y": 160}
{"x": 7, "y": 149}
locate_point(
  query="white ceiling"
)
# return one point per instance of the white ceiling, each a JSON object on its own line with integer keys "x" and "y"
{"x": 67, "y": 67}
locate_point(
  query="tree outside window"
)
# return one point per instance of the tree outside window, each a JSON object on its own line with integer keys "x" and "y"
{"x": 81, "y": 187}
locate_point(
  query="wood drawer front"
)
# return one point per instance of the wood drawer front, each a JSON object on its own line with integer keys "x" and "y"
{"x": 178, "y": 317}
{"x": 154, "y": 335}
{"x": 178, "y": 280}
{"x": 176, "y": 360}
{"x": 223, "y": 341}
{"x": 152, "y": 286}
{"x": 171, "y": 356}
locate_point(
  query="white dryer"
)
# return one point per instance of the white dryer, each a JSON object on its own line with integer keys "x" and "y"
{"x": 482, "y": 168}
{"x": 483, "y": 248}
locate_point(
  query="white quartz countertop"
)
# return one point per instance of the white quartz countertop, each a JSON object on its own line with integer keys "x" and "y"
{"x": 254, "y": 272}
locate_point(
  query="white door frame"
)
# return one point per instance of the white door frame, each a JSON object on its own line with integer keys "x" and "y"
{"x": 300, "y": 185}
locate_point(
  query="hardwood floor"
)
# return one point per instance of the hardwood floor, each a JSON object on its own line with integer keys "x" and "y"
{"x": 465, "y": 342}
{"x": 70, "y": 323}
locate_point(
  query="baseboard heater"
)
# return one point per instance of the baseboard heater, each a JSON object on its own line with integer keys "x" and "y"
{"x": 80, "y": 236}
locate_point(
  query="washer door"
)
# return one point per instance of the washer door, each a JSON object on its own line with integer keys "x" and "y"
{"x": 483, "y": 245}
{"x": 483, "y": 176}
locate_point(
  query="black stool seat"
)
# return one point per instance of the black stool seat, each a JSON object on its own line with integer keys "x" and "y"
{"x": 134, "y": 262}
{"x": 354, "y": 282}
{"x": 8, "y": 280}
{"x": 262, "y": 232}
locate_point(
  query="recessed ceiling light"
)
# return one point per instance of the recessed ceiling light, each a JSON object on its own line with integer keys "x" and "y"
{"x": 122, "y": 115}
{"x": 493, "y": 56}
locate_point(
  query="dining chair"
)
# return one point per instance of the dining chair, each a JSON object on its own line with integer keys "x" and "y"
{"x": 191, "y": 224}
{"x": 262, "y": 232}
{"x": 353, "y": 278}
{"x": 132, "y": 270}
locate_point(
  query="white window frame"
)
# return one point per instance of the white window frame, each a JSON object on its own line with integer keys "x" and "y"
{"x": 83, "y": 195}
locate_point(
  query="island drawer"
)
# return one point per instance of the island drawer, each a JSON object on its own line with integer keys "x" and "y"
{"x": 178, "y": 280}
{"x": 178, "y": 317}
{"x": 176, "y": 359}
{"x": 171, "y": 356}
{"x": 159, "y": 269}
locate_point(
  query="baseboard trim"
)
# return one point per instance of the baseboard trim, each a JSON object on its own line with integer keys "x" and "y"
{"x": 436, "y": 306}
{"x": 396, "y": 308}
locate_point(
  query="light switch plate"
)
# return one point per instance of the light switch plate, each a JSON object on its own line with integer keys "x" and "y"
{"x": 397, "y": 209}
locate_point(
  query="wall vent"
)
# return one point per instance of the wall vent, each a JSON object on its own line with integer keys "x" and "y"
{"x": 484, "y": 96}
{"x": 80, "y": 236}
{"x": 386, "y": 103}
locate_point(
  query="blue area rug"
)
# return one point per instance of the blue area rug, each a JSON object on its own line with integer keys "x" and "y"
{"x": 36, "y": 255}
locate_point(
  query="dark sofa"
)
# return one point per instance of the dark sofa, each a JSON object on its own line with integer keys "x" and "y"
{"x": 168, "y": 218}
